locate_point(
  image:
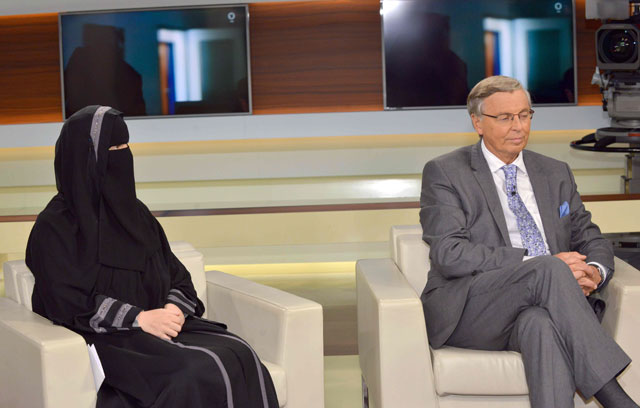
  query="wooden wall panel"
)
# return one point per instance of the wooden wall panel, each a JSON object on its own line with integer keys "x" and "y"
{"x": 586, "y": 56}
{"x": 319, "y": 56}
{"x": 29, "y": 69}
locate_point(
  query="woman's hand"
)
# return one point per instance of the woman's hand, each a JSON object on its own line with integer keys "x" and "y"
{"x": 175, "y": 309}
{"x": 165, "y": 323}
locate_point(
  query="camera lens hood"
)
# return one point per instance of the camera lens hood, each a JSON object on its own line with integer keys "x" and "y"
{"x": 617, "y": 47}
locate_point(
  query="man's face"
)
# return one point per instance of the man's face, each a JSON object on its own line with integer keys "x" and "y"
{"x": 504, "y": 139}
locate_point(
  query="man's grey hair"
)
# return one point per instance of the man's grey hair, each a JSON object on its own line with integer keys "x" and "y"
{"x": 488, "y": 87}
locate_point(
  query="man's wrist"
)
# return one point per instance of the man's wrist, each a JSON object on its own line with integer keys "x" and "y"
{"x": 602, "y": 270}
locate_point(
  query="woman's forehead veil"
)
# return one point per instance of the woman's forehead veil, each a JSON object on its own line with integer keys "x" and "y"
{"x": 89, "y": 129}
{"x": 96, "y": 126}
{"x": 97, "y": 185}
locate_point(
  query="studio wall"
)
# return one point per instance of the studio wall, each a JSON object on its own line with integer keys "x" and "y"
{"x": 29, "y": 72}
{"x": 306, "y": 57}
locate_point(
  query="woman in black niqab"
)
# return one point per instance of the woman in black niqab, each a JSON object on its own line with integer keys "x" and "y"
{"x": 103, "y": 268}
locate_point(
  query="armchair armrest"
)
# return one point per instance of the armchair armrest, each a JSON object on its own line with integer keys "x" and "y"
{"x": 283, "y": 329}
{"x": 392, "y": 337}
{"x": 622, "y": 319}
{"x": 41, "y": 364}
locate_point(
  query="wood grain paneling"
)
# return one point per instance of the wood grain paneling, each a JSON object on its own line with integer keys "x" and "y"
{"x": 29, "y": 69}
{"x": 319, "y": 56}
{"x": 586, "y": 56}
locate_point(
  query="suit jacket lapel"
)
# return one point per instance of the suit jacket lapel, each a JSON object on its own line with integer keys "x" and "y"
{"x": 485, "y": 179}
{"x": 544, "y": 200}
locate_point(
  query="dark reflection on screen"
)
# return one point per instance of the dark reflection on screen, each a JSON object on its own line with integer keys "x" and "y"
{"x": 436, "y": 50}
{"x": 97, "y": 73}
{"x": 157, "y": 62}
{"x": 425, "y": 71}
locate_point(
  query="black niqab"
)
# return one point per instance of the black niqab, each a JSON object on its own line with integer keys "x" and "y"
{"x": 98, "y": 255}
{"x": 97, "y": 185}
{"x": 100, "y": 258}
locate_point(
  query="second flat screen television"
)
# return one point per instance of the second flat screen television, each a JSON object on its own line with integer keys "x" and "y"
{"x": 435, "y": 51}
{"x": 157, "y": 62}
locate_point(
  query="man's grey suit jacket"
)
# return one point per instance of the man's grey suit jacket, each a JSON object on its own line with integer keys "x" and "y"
{"x": 463, "y": 223}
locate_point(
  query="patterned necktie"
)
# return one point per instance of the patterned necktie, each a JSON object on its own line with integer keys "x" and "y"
{"x": 531, "y": 236}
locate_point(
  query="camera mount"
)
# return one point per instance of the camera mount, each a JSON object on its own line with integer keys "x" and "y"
{"x": 618, "y": 74}
{"x": 609, "y": 140}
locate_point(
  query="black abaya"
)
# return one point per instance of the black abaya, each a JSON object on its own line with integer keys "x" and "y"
{"x": 99, "y": 258}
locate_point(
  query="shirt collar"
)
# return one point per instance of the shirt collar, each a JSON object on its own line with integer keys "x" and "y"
{"x": 495, "y": 164}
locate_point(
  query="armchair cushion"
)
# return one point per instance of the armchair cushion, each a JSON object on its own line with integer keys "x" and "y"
{"x": 285, "y": 330}
{"x": 400, "y": 369}
{"x": 395, "y": 232}
{"x": 279, "y": 378}
{"x": 26, "y": 282}
{"x": 194, "y": 262}
{"x": 11, "y": 269}
{"x": 476, "y": 372}
{"x": 413, "y": 260}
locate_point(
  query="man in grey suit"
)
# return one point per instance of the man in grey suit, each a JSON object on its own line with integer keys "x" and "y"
{"x": 515, "y": 257}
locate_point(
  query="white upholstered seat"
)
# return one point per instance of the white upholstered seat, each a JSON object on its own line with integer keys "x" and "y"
{"x": 400, "y": 369}
{"x": 44, "y": 365}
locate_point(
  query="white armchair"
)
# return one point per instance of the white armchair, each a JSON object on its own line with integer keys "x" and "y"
{"x": 44, "y": 365}
{"x": 399, "y": 369}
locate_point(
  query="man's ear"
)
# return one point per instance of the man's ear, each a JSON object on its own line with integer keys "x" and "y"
{"x": 477, "y": 124}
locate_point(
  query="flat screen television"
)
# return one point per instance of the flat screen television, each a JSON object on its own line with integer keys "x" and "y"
{"x": 155, "y": 62}
{"x": 435, "y": 51}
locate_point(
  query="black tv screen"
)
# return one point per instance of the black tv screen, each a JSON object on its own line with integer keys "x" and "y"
{"x": 157, "y": 62}
{"x": 435, "y": 51}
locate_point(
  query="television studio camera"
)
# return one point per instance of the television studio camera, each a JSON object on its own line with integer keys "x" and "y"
{"x": 618, "y": 75}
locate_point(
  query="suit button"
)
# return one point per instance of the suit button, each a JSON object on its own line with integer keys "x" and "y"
{"x": 474, "y": 273}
